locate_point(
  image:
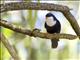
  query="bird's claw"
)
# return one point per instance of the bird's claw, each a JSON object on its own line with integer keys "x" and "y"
{"x": 37, "y": 30}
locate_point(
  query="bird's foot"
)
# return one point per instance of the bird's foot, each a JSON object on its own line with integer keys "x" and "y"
{"x": 37, "y": 30}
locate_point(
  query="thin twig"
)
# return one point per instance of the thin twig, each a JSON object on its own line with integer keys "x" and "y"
{"x": 9, "y": 47}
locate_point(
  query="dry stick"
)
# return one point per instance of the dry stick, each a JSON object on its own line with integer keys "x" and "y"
{"x": 9, "y": 47}
{"x": 36, "y": 33}
{"x": 42, "y": 6}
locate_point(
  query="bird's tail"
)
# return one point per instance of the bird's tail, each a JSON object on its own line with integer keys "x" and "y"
{"x": 54, "y": 43}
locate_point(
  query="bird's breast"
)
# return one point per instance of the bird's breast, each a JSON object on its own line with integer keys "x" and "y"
{"x": 52, "y": 29}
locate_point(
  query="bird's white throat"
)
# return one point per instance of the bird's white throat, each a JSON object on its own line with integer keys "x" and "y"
{"x": 50, "y": 21}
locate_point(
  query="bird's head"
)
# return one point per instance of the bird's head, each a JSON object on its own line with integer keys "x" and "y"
{"x": 50, "y": 19}
{"x": 50, "y": 16}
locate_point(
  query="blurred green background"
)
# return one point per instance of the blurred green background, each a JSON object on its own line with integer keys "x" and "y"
{"x": 30, "y": 48}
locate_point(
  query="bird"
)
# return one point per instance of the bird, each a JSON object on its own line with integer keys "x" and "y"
{"x": 52, "y": 25}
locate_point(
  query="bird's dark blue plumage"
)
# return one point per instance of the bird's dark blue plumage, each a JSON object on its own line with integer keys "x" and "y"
{"x": 53, "y": 29}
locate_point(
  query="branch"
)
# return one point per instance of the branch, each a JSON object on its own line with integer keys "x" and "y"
{"x": 42, "y": 6}
{"x": 36, "y": 33}
{"x": 9, "y": 47}
{"x": 72, "y": 21}
{"x": 32, "y": 6}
